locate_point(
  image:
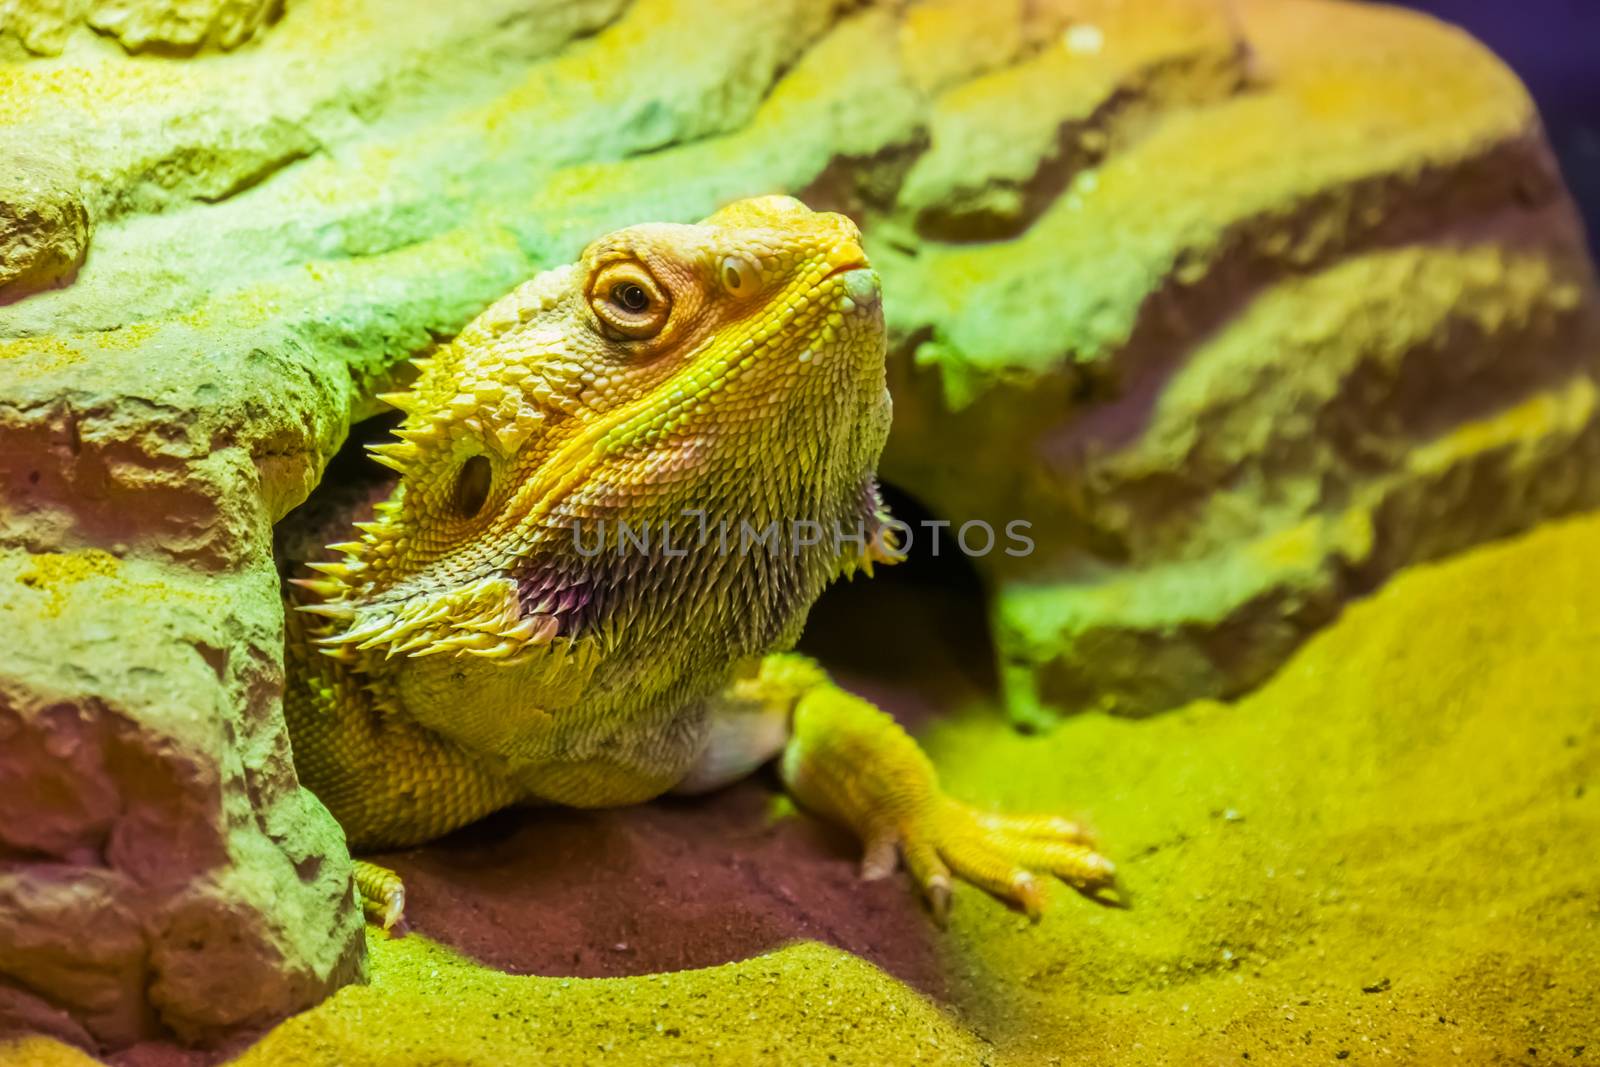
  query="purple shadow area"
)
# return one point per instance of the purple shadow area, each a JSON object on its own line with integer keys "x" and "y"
{"x": 1554, "y": 46}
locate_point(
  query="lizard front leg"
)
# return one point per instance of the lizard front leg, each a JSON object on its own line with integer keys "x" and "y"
{"x": 850, "y": 762}
{"x": 388, "y": 781}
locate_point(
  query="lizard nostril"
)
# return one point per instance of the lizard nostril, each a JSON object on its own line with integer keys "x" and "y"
{"x": 472, "y": 486}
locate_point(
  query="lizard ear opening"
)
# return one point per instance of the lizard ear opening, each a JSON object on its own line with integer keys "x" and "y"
{"x": 472, "y": 486}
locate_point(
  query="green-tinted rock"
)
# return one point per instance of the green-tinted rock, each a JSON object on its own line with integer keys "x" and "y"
{"x": 1273, "y": 344}
{"x": 44, "y": 225}
{"x": 160, "y": 868}
{"x": 45, "y": 27}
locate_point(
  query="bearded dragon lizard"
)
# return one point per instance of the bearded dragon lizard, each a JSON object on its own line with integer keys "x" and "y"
{"x": 602, "y": 545}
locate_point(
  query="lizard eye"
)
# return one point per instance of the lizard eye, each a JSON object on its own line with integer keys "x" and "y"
{"x": 472, "y": 486}
{"x": 739, "y": 276}
{"x": 628, "y": 301}
{"x": 630, "y": 295}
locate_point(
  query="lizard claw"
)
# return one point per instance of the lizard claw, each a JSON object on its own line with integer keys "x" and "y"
{"x": 1003, "y": 855}
{"x": 937, "y": 894}
{"x": 383, "y": 894}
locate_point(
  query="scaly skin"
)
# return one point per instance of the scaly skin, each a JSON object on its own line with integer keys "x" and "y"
{"x": 494, "y": 637}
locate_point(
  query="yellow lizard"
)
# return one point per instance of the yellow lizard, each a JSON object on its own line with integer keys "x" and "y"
{"x": 621, "y": 489}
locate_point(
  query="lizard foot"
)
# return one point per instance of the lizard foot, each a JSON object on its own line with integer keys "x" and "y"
{"x": 1004, "y": 855}
{"x": 383, "y": 895}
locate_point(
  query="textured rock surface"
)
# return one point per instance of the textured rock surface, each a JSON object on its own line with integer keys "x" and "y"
{"x": 1279, "y": 335}
{"x": 161, "y": 871}
{"x": 44, "y": 27}
{"x": 44, "y": 227}
{"x": 1239, "y": 320}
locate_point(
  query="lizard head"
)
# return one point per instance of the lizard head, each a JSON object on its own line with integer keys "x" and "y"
{"x": 733, "y": 368}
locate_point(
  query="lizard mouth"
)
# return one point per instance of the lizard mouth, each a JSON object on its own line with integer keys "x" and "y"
{"x": 845, "y": 268}
{"x": 855, "y": 279}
